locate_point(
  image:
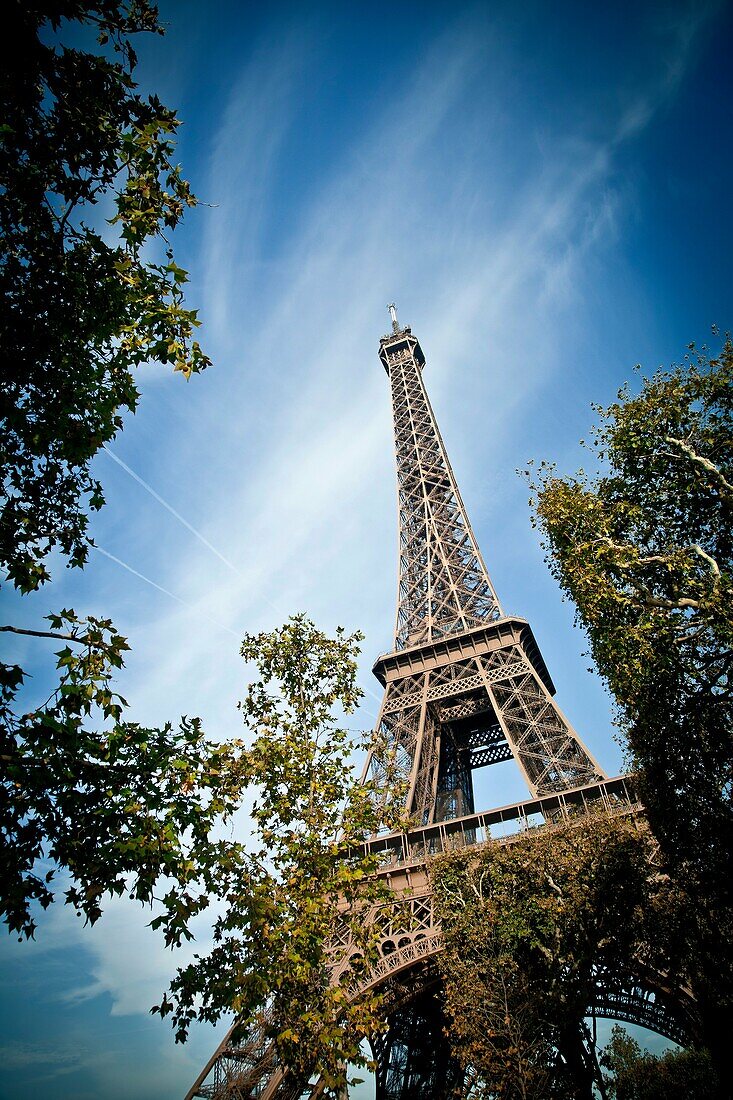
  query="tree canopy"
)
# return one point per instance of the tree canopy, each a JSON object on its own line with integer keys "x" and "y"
{"x": 530, "y": 927}
{"x": 644, "y": 551}
{"x": 296, "y": 929}
{"x": 89, "y": 287}
{"x": 89, "y": 195}
{"x": 638, "y": 1075}
{"x": 89, "y": 290}
{"x": 118, "y": 807}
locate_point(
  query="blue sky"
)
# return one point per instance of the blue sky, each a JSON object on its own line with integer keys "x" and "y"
{"x": 545, "y": 192}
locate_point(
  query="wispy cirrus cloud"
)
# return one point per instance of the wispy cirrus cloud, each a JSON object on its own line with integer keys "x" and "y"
{"x": 374, "y": 229}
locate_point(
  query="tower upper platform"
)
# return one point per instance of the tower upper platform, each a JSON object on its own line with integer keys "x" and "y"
{"x": 396, "y": 346}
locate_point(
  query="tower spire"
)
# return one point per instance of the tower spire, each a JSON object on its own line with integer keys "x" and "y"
{"x": 443, "y": 584}
{"x": 393, "y": 315}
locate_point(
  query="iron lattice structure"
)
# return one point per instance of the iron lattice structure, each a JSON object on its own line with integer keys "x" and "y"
{"x": 443, "y": 586}
{"x": 465, "y": 687}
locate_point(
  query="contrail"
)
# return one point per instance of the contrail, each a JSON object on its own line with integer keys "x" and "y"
{"x": 368, "y": 691}
{"x": 160, "y": 588}
{"x": 189, "y": 527}
{"x": 185, "y": 603}
{"x": 173, "y": 512}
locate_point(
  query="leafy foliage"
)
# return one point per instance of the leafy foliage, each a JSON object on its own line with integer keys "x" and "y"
{"x": 645, "y": 552}
{"x": 639, "y": 1075}
{"x": 114, "y": 805}
{"x": 81, "y": 306}
{"x": 125, "y": 809}
{"x": 303, "y": 883}
{"x": 528, "y": 927}
{"x": 121, "y": 808}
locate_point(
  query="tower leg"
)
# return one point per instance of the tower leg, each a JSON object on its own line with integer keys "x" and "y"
{"x": 413, "y": 1057}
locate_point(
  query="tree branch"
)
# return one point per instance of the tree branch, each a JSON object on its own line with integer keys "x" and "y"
{"x": 648, "y": 600}
{"x": 704, "y": 464}
{"x": 656, "y": 559}
{"x": 706, "y": 557}
{"x": 43, "y": 634}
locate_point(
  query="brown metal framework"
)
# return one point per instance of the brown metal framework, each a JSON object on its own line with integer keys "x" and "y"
{"x": 443, "y": 586}
{"x": 465, "y": 687}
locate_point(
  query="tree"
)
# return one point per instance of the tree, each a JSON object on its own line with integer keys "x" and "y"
{"x": 296, "y": 929}
{"x": 528, "y": 927}
{"x": 644, "y": 551}
{"x": 114, "y": 806}
{"x": 639, "y": 1075}
{"x": 119, "y": 807}
{"x": 81, "y": 306}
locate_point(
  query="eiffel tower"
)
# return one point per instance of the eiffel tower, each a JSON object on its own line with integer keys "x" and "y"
{"x": 465, "y": 687}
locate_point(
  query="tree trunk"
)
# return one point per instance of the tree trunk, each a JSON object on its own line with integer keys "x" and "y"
{"x": 574, "y": 1054}
{"x": 717, "y": 1023}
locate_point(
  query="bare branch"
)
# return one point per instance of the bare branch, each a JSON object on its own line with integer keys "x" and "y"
{"x": 705, "y": 464}
{"x": 649, "y": 600}
{"x": 706, "y": 557}
{"x": 44, "y": 634}
{"x": 553, "y": 885}
{"x": 657, "y": 559}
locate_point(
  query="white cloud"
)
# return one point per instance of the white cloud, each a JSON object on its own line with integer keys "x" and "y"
{"x": 242, "y": 161}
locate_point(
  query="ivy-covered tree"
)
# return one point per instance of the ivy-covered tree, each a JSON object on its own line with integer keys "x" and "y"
{"x": 528, "y": 928}
{"x": 296, "y": 928}
{"x": 645, "y": 552}
{"x": 89, "y": 290}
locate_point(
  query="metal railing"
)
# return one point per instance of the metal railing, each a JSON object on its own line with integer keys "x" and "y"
{"x": 614, "y": 795}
